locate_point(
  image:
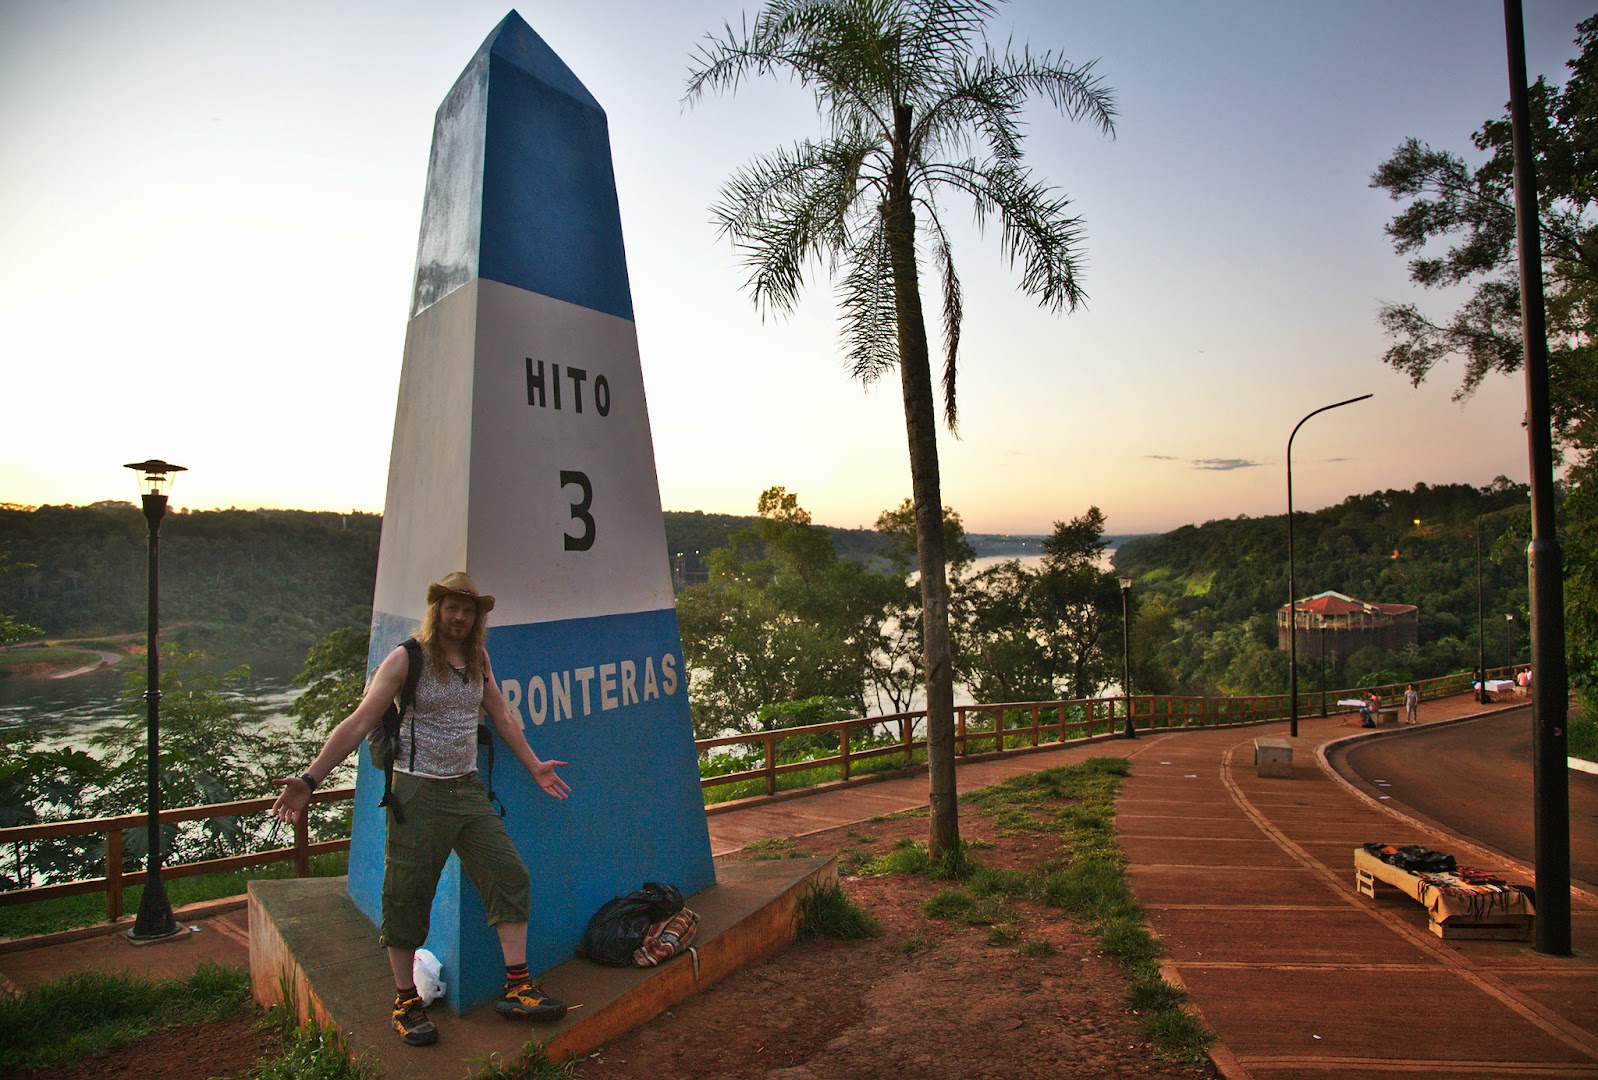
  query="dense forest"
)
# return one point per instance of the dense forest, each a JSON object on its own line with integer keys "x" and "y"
{"x": 229, "y": 578}
{"x": 1207, "y": 595}
{"x": 237, "y": 578}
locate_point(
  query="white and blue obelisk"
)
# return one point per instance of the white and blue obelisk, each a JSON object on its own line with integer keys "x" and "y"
{"x": 522, "y": 455}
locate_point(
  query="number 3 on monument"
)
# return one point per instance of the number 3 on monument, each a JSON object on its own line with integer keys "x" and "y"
{"x": 580, "y": 510}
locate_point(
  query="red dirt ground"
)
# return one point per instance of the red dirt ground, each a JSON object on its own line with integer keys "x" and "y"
{"x": 929, "y": 998}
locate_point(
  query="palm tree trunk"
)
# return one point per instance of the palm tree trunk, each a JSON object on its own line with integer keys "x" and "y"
{"x": 921, "y": 426}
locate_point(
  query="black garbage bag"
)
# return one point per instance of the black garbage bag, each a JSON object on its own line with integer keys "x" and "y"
{"x": 619, "y": 926}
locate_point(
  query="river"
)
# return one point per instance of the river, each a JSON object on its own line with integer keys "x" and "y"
{"x": 49, "y": 714}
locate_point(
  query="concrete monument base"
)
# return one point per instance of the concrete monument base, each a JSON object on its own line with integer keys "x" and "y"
{"x": 311, "y": 948}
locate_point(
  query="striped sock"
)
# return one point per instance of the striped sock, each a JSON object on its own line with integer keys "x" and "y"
{"x": 515, "y": 974}
{"x": 404, "y": 993}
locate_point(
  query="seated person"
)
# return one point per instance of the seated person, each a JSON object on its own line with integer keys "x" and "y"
{"x": 1372, "y": 710}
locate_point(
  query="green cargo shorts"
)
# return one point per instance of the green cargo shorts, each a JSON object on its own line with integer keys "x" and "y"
{"x": 443, "y": 816}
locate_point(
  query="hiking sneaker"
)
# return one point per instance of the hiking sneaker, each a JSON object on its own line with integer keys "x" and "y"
{"x": 410, "y": 1020}
{"x": 527, "y": 1001}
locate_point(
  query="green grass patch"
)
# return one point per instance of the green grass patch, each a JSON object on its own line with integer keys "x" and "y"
{"x": 775, "y": 848}
{"x": 826, "y": 912}
{"x": 1178, "y": 1034}
{"x": 1153, "y": 995}
{"x": 907, "y": 857}
{"x": 961, "y": 905}
{"x": 44, "y": 660}
{"x": 1125, "y": 938}
{"x": 912, "y": 945}
{"x": 87, "y": 909}
{"x": 531, "y": 1064}
{"x": 89, "y": 1012}
{"x": 1036, "y": 948}
{"x": 1582, "y": 733}
{"x": 1004, "y": 934}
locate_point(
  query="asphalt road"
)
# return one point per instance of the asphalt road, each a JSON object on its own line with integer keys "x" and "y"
{"x": 1475, "y": 778}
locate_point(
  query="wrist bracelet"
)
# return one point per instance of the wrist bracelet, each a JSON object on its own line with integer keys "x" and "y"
{"x": 310, "y": 781}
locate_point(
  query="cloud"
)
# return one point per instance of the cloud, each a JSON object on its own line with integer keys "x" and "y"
{"x": 1159, "y": 457}
{"x": 1224, "y": 464}
{"x": 1328, "y": 459}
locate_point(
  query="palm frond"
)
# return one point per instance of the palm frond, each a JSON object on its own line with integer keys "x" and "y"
{"x": 1035, "y": 228}
{"x": 953, "y": 310}
{"x": 789, "y": 209}
{"x": 989, "y": 94}
{"x": 869, "y": 307}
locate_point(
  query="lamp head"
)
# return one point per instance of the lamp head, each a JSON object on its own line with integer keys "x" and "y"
{"x": 155, "y": 476}
{"x": 1126, "y": 583}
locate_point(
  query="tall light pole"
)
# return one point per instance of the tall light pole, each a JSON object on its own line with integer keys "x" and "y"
{"x": 155, "y": 921}
{"x": 1126, "y": 655}
{"x": 1550, "y": 691}
{"x": 1292, "y": 580}
{"x": 1481, "y": 625}
{"x": 1509, "y": 657}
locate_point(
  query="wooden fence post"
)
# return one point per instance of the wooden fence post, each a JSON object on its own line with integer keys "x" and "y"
{"x": 302, "y": 842}
{"x": 113, "y": 875}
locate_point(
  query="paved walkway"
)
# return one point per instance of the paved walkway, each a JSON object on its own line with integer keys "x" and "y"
{"x": 1249, "y": 883}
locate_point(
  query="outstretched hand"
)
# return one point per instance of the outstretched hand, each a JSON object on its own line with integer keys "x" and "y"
{"x": 553, "y": 785}
{"x": 292, "y": 802}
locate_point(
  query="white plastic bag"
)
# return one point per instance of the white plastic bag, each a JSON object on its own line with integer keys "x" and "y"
{"x": 425, "y": 970}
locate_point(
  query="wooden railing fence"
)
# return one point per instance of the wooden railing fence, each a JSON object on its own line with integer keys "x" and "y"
{"x": 979, "y": 729}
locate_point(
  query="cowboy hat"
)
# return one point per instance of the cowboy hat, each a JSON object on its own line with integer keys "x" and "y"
{"x": 458, "y": 584}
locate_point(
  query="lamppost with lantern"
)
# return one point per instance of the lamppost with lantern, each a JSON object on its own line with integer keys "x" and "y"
{"x": 155, "y": 921}
{"x": 1126, "y": 656}
{"x": 1509, "y": 656}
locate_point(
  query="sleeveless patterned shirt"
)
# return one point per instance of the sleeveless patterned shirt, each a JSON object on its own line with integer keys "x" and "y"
{"x": 445, "y": 711}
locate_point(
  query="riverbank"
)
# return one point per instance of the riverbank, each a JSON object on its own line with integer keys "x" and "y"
{"x": 64, "y": 658}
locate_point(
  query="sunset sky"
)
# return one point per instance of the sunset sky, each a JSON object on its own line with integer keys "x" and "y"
{"x": 209, "y": 212}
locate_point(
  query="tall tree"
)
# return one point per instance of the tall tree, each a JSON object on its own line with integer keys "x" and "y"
{"x": 906, "y": 89}
{"x": 1475, "y": 210}
{"x": 782, "y": 618}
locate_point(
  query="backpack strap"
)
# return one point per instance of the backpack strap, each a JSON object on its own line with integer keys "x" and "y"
{"x": 485, "y": 740}
{"x": 413, "y": 674}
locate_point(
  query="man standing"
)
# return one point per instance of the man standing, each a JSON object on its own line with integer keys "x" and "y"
{"x": 442, "y": 802}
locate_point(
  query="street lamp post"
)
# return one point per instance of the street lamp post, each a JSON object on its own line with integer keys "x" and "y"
{"x": 155, "y": 921}
{"x": 1126, "y": 655}
{"x": 1509, "y": 656}
{"x": 1292, "y": 581}
{"x": 1481, "y": 625}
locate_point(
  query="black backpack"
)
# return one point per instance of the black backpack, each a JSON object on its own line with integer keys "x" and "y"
{"x": 383, "y": 741}
{"x": 619, "y": 926}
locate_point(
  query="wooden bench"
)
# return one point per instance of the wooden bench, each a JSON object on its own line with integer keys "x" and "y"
{"x": 1273, "y": 756}
{"x": 1507, "y": 917}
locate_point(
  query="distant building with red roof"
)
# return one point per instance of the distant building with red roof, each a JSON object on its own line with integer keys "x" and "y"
{"x": 1346, "y": 625}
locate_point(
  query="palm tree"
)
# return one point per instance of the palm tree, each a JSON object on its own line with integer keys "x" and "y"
{"x": 907, "y": 89}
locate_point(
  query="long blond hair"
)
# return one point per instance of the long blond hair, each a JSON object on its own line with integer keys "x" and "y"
{"x": 433, "y": 644}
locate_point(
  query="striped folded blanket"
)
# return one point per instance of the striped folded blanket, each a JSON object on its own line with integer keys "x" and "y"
{"x": 667, "y": 938}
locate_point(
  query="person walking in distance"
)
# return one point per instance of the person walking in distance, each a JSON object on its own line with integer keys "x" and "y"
{"x": 1411, "y": 705}
{"x": 443, "y": 806}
